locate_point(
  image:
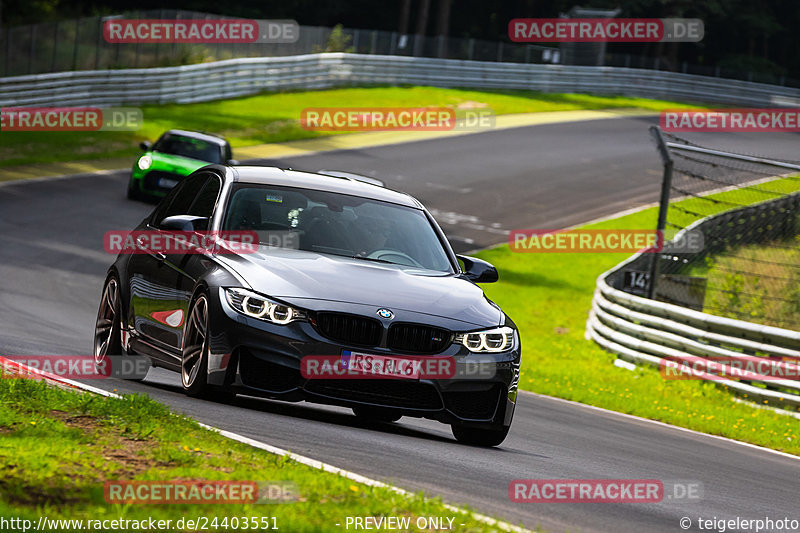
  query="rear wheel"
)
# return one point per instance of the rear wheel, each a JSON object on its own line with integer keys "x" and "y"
{"x": 107, "y": 330}
{"x": 108, "y": 327}
{"x": 480, "y": 436}
{"x": 376, "y": 414}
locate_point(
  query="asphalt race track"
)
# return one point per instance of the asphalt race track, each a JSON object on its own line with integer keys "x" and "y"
{"x": 479, "y": 186}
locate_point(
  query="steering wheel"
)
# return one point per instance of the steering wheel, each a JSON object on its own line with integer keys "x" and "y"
{"x": 386, "y": 254}
{"x": 267, "y": 226}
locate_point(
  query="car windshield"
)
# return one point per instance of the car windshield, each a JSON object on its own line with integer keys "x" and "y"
{"x": 336, "y": 224}
{"x": 189, "y": 147}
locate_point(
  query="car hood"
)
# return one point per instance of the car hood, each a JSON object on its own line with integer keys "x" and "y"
{"x": 175, "y": 163}
{"x": 312, "y": 281}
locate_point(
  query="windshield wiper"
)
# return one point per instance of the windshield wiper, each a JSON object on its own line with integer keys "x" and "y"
{"x": 373, "y": 259}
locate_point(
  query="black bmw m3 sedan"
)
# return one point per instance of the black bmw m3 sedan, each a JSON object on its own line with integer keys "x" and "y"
{"x": 338, "y": 268}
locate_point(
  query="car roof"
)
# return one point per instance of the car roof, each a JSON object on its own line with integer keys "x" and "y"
{"x": 310, "y": 180}
{"x": 208, "y": 137}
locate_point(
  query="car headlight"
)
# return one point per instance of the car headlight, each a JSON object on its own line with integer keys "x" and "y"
{"x": 488, "y": 341}
{"x": 144, "y": 162}
{"x": 254, "y": 305}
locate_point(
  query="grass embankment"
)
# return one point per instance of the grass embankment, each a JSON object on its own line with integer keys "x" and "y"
{"x": 58, "y": 448}
{"x": 758, "y": 283}
{"x": 549, "y": 297}
{"x": 274, "y": 117}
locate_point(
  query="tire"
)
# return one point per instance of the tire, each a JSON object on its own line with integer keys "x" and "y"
{"x": 194, "y": 357}
{"x": 376, "y": 414}
{"x": 133, "y": 194}
{"x": 108, "y": 326}
{"x": 479, "y": 436}
{"x": 107, "y": 331}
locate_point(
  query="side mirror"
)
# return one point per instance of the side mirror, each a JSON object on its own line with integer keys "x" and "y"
{"x": 145, "y": 146}
{"x": 478, "y": 271}
{"x": 184, "y": 223}
{"x": 232, "y": 162}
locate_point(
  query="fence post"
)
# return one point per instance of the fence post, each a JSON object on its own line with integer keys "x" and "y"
{"x": 75, "y": 45}
{"x": 8, "y": 50}
{"x": 174, "y": 52}
{"x": 99, "y": 43}
{"x": 32, "y": 50}
{"x": 161, "y": 17}
{"x": 666, "y": 186}
{"x": 55, "y": 48}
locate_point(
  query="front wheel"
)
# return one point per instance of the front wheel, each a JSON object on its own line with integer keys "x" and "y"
{"x": 480, "y": 436}
{"x": 194, "y": 359}
{"x": 133, "y": 193}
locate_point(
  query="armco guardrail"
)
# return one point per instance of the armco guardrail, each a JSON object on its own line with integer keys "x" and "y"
{"x": 245, "y": 76}
{"x": 645, "y": 331}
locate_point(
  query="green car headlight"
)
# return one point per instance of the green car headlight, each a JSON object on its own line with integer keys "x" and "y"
{"x": 144, "y": 162}
{"x": 488, "y": 341}
{"x": 254, "y": 305}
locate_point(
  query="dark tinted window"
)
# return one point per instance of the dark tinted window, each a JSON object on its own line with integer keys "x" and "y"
{"x": 203, "y": 205}
{"x": 189, "y": 147}
{"x": 180, "y": 198}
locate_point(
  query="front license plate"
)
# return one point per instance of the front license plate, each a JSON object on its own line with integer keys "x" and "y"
{"x": 383, "y": 366}
{"x": 167, "y": 183}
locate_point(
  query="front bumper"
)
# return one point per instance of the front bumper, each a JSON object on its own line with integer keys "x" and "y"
{"x": 153, "y": 181}
{"x": 254, "y": 357}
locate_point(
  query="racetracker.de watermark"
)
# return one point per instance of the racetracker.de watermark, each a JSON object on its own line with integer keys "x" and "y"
{"x": 180, "y": 242}
{"x": 73, "y": 367}
{"x": 200, "y": 31}
{"x": 603, "y": 491}
{"x": 749, "y": 368}
{"x": 70, "y": 119}
{"x": 396, "y": 118}
{"x": 603, "y": 241}
{"x": 763, "y": 120}
{"x": 593, "y": 30}
{"x": 199, "y": 492}
{"x": 354, "y": 365}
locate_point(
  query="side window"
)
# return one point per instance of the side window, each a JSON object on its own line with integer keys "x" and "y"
{"x": 158, "y": 214}
{"x": 180, "y": 198}
{"x": 203, "y": 205}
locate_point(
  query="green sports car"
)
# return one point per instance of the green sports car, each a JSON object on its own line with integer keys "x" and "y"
{"x": 175, "y": 155}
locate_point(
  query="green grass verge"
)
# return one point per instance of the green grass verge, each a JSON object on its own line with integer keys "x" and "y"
{"x": 274, "y": 117}
{"x": 58, "y": 448}
{"x": 549, "y": 296}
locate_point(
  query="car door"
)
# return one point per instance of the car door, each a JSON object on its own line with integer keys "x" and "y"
{"x": 157, "y": 293}
{"x": 186, "y": 268}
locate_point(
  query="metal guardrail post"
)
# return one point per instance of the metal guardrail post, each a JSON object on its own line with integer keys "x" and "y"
{"x": 666, "y": 186}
